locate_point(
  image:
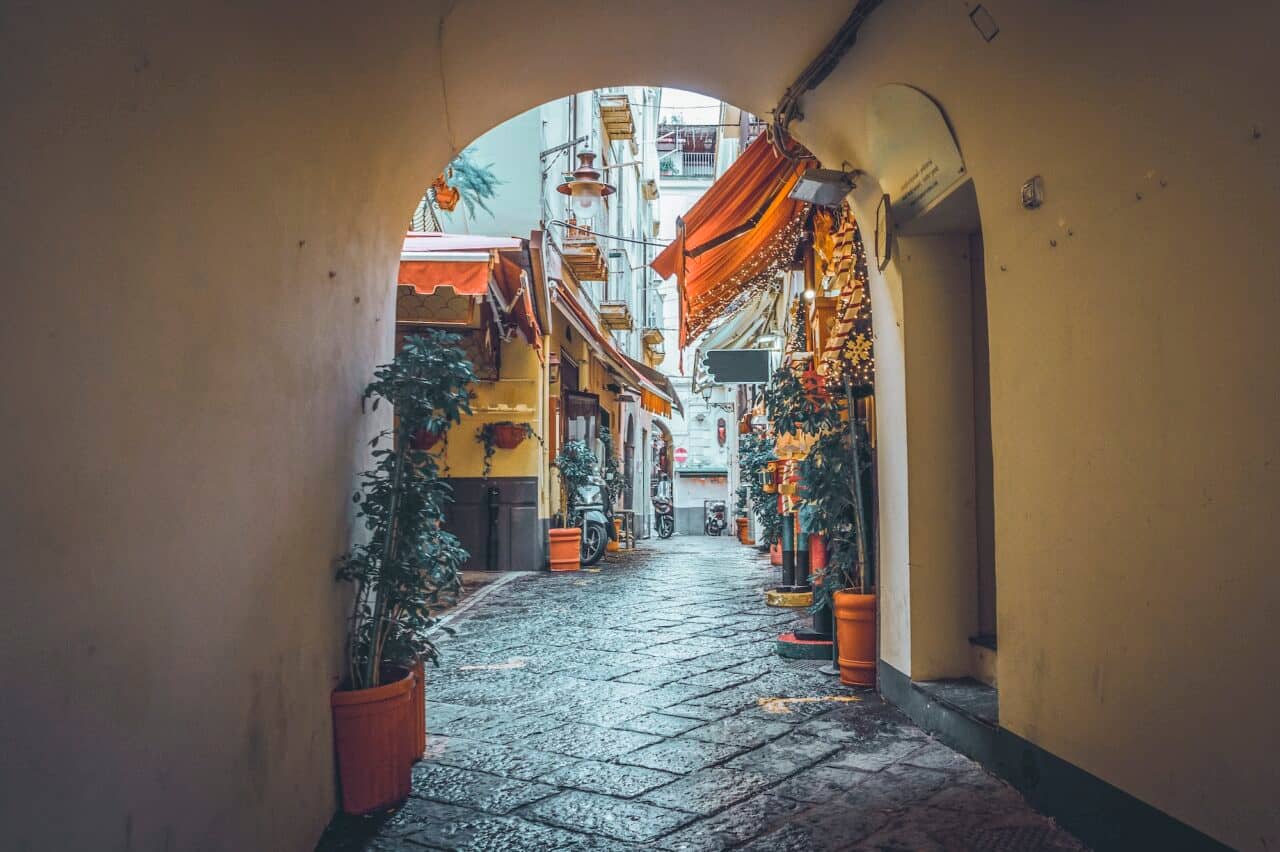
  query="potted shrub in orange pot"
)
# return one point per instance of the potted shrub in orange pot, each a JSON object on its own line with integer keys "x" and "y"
{"x": 406, "y": 568}
{"x": 832, "y": 474}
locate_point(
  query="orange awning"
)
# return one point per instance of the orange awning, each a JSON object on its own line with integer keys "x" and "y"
{"x": 466, "y": 277}
{"x": 711, "y": 274}
{"x": 653, "y": 397}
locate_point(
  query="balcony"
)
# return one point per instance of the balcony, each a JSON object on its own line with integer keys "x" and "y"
{"x": 582, "y": 254}
{"x": 654, "y": 349}
{"x": 615, "y": 114}
{"x": 615, "y": 315}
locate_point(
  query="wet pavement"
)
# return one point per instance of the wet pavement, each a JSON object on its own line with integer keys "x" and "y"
{"x": 643, "y": 707}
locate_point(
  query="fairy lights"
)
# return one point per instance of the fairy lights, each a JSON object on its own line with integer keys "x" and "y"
{"x": 850, "y": 350}
{"x": 730, "y": 293}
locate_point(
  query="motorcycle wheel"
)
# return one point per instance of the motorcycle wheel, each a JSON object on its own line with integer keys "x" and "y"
{"x": 595, "y": 539}
{"x": 666, "y": 526}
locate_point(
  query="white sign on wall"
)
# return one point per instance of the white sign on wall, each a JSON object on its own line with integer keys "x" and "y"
{"x": 912, "y": 152}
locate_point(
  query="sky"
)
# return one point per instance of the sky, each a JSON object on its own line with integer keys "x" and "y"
{"x": 691, "y": 108}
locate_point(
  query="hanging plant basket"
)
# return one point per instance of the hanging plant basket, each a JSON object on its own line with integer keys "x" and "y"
{"x": 508, "y": 436}
{"x": 425, "y": 439}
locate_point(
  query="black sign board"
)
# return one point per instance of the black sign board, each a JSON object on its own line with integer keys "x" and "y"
{"x": 738, "y": 366}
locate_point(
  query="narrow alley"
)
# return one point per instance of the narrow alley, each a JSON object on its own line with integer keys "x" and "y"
{"x": 643, "y": 706}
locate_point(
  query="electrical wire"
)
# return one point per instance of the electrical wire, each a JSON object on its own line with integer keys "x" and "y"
{"x": 788, "y": 108}
{"x": 576, "y": 227}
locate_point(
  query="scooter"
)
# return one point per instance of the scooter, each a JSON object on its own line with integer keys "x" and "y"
{"x": 591, "y": 512}
{"x": 664, "y": 511}
{"x": 715, "y": 520}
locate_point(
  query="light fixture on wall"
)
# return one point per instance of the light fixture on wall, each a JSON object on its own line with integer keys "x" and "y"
{"x": 585, "y": 188}
{"x": 810, "y": 294}
{"x": 824, "y": 187}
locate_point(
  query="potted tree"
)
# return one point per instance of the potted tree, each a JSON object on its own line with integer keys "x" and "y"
{"x": 575, "y": 464}
{"x": 503, "y": 435}
{"x": 407, "y": 567}
{"x": 831, "y": 475}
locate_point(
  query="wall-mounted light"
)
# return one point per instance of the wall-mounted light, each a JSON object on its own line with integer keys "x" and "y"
{"x": 810, "y": 294}
{"x": 585, "y": 188}
{"x": 824, "y": 187}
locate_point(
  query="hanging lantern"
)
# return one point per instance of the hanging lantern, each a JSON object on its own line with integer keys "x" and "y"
{"x": 585, "y": 188}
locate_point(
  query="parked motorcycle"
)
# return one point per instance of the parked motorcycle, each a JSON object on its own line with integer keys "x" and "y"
{"x": 591, "y": 511}
{"x": 715, "y": 518}
{"x": 664, "y": 510}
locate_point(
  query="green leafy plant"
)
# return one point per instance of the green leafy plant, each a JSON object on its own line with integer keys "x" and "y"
{"x": 475, "y": 183}
{"x": 487, "y": 436}
{"x": 793, "y": 408}
{"x": 612, "y": 472}
{"x": 830, "y": 478}
{"x": 409, "y": 565}
{"x": 740, "y": 501}
{"x": 575, "y": 463}
{"x": 755, "y": 451}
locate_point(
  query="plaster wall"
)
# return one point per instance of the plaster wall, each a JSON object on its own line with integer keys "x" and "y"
{"x": 937, "y": 313}
{"x": 198, "y": 196}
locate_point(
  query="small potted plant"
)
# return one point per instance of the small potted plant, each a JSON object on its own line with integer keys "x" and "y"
{"x": 406, "y": 568}
{"x": 503, "y": 435}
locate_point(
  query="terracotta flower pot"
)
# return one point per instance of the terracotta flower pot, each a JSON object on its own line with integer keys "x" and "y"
{"x": 742, "y": 529}
{"x": 508, "y": 437}
{"x": 616, "y": 542}
{"x": 371, "y": 730}
{"x": 418, "y": 713}
{"x": 425, "y": 439}
{"x": 856, "y": 633}
{"x": 775, "y": 554}
{"x": 566, "y": 549}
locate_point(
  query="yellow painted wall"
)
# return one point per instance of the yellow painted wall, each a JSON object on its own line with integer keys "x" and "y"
{"x": 202, "y": 213}
{"x": 517, "y": 396}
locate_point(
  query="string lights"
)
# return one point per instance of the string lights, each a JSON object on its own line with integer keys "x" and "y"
{"x": 732, "y": 292}
{"x": 850, "y": 350}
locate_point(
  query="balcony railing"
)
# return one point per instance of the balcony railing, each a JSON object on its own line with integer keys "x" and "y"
{"x": 689, "y": 164}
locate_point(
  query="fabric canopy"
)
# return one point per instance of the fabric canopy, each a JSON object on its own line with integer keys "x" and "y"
{"x": 467, "y": 264}
{"x": 468, "y": 277}
{"x": 710, "y": 279}
{"x": 655, "y": 396}
{"x": 764, "y": 313}
{"x": 660, "y": 381}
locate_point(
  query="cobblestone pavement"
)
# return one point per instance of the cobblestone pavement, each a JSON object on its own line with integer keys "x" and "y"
{"x": 637, "y": 708}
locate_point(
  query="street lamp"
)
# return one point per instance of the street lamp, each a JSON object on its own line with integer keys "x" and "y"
{"x": 585, "y": 188}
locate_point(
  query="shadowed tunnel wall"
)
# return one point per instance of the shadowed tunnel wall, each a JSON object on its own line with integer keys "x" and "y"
{"x": 201, "y": 213}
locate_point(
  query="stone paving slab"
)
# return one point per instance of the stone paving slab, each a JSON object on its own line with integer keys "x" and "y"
{"x": 642, "y": 707}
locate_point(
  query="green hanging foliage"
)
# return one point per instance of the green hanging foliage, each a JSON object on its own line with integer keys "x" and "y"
{"x": 409, "y": 565}
{"x": 475, "y": 183}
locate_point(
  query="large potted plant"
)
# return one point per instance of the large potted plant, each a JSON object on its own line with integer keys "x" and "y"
{"x": 407, "y": 567}
{"x": 575, "y": 465}
{"x": 831, "y": 476}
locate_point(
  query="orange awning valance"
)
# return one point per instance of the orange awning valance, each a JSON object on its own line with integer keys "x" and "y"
{"x": 466, "y": 277}
{"x": 737, "y": 234}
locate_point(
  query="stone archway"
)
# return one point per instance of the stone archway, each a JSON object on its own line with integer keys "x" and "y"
{"x": 201, "y": 215}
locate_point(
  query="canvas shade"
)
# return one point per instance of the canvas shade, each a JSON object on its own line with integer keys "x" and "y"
{"x": 709, "y": 280}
